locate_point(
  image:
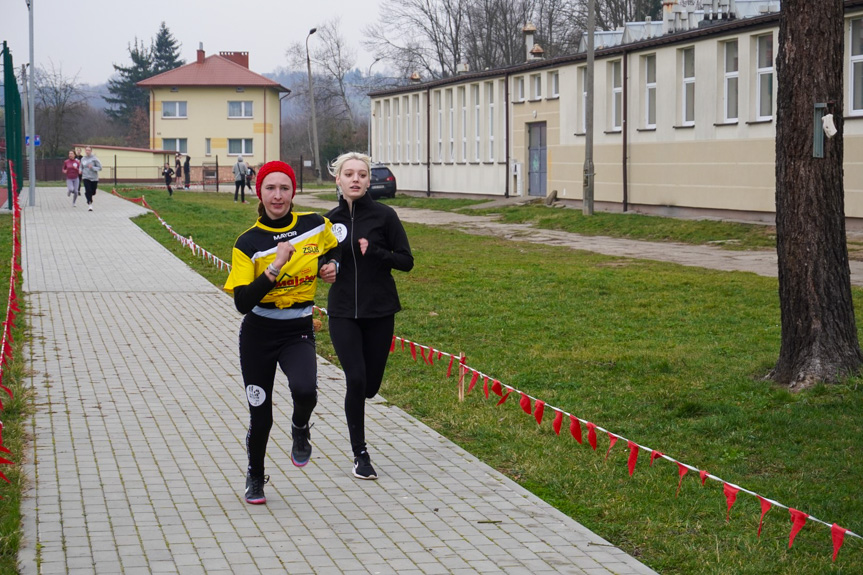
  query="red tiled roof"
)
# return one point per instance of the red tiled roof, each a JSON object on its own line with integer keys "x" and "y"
{"x": 215, "y": 70}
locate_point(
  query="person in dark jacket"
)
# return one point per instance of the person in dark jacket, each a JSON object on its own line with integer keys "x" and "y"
{"x": 168, "y": 173}
{"x": 187, "y": 173}
{"x": 363, "y": 300}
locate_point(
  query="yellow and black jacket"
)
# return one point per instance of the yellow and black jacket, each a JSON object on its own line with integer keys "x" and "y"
{"x": 312, "y": 236}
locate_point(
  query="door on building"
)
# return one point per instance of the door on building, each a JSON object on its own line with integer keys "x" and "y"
{"x": 537, "y": 160}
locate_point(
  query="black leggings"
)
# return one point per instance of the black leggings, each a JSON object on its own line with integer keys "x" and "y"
{"x": 363, "y": 347}
{"x": 264, "y": 343}
{"x": 240, "y": 189}
{"x": 90, "y": 189}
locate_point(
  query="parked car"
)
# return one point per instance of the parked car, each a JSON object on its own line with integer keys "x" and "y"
{"x": 383, "y": 182}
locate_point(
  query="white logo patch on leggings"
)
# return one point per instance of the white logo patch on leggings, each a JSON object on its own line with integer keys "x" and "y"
{"x": 256, "y": 395}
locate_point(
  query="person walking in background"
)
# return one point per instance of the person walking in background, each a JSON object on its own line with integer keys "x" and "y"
{"x": 239, "y": 170}
{"x": 273, "y": 282}
{"x": 72, "y": 169}
{"x": 363, "y": 300}
{"x": 178, "y": 166}
{"x": 187, "y": 172}
{"x": 250, "y": 176}
{"x": 79, "y": 157}
{"x": 168, "y": 172}
{"x": 90, "y": 168}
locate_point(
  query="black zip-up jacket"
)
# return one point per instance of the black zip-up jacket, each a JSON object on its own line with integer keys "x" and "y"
{"x": 364, "y": 286}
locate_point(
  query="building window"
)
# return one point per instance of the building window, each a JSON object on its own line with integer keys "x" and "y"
{"x": 208, "y": 150}
{"x": 688, "y": 94}
{"x": 764, "y": 81}
{"x": 398, "y": 129}
{"x": 732, "y": 71}
{"x": 519, "y": 89}
{"x": 240, "y": 147}
{"x": 419, "y": 127}
{"x": 240, "y": 109}
{"x": 379, "y": 114}
{"x": 616, "y": 96}
{"x": 489, "y": 88}
{"x": 856, "y": 83}
{"x": 439, "y": 107}
{"x": 650, "y": 91}
{"x": 407, "y": 129}
{"x": 462, "y": 96}
{"x": 173, "y": 109}
{"x": 476, "y": 121}
{"x": 175, "y": 145}
{"x": 553, "y": 84}
{"x": 582, "y": 88}
{"x": 388, "y": 133}
{"x": 451, "y": 126}
{"x": 536, "y": 86}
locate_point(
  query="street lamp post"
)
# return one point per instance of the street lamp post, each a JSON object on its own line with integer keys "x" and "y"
{"x": 314, "y": 118}
{"x": 371, "y": 115}
{"x": 587, "y": 194}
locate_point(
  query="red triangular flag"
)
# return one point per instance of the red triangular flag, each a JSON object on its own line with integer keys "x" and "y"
{"x": 798, "y": 519}
{"x": 393, "y": 345}
{"x": 431, "y": 356}
{"x": 653, "y": 455}
{"x": 485, "y": 386}
{"x": 439, "y": 354}
{"x": 558, "y": 422}
{"x": 591, "y": 434}
{"x": 681, "y": 471}
{"x": 538, "y": 410}
{"x": 765, "y": 507}
{"x": 633, "y": 457}
{"x": 504, "y": 398}
{"x": 422, "y": 354}
{"x": 6, "y": 461}
{"x": 524, "y": 402}
{"x": 403, "y": 343}
{"x": 730, "y": 497}
{"x": 575, "y": 428}
{"x": 413, "y": 351}
{"x": 7, "y": 390}
{"x": 472, "y": 381}
{"x": 838, "y": 534}
{"x": 495, "y": 387}
{"x": 703, "y": 475}
{"x": 612, "y": 439}
{"x": 449, "y": 369}
{"x": 3, "y": 477}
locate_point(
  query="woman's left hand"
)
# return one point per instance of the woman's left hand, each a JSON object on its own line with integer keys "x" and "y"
{"x": 328, "y": 273}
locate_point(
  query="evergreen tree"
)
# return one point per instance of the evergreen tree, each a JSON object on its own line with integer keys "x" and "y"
{"x": 126, "y": 97}
{"x": 166, "y": 51}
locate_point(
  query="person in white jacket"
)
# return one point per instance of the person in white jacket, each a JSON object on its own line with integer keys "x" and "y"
{"x": 90, "y": 168}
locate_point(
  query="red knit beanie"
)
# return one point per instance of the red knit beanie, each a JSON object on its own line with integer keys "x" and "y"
{"x": 269, "y": 168}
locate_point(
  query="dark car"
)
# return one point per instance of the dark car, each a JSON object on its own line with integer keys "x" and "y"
{"x": 383, "y": 182}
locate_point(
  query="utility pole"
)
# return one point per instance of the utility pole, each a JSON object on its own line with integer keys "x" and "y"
{"x": 31, "y": 97}
{"x": 587, "y": 202}
{"x": 314, "y": 118}
{"x": 371, "y": 115}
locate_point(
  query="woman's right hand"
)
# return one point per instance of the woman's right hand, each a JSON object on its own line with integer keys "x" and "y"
{"x": 284, "y": 252}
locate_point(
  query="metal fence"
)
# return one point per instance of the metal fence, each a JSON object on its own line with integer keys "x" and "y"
{"x": 12, "y": 148}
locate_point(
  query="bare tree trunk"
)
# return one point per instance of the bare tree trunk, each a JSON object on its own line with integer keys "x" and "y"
{"x": 819, "y": 331}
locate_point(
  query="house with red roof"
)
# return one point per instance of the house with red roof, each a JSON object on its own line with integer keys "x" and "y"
{"x": 216, "y": 109}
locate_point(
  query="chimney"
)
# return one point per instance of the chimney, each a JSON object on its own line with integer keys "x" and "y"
{"x": 241, "y": 58}
{"x": 536, "y": 53}
{"x": 415, "y": 78}
{"x": 528, "y": 31}
{"x": 200, "y": 52}
{"x": 462, "y": 68}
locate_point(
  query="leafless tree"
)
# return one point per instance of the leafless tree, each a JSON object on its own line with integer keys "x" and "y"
{"x": 59, "y": 102}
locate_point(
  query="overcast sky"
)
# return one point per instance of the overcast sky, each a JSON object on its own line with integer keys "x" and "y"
{"x": 85, "y": 37}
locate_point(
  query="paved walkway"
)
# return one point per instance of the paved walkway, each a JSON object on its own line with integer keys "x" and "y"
{"x": 760, "y": 262}
{"x": 137, "y": 461}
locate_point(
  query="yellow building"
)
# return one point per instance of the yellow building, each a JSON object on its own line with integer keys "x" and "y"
{"x": 216, "y": 109}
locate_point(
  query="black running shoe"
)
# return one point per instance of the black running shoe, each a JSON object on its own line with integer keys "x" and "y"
{"x": 255, "y": 488}
{"x": 363, "y": 466}
{"x": 301, "y": 451}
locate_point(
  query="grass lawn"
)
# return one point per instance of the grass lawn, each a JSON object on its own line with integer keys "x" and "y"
{"x": 13, "y": 415}
{"x": 670, "y": 357}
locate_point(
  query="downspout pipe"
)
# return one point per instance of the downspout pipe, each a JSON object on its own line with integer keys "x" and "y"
{"x": 625, "y": 128}
{"x": 506, "y": 136}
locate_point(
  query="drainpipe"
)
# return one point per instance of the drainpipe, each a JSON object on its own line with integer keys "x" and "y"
{"x": 506, "y": 132}
{"x": 265, "y": 126}
{"x": 625, "y": 127}
{"x": 152, "y": 143}
{"x": 428, "y": 142}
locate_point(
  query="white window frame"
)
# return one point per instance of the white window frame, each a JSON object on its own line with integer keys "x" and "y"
{"x": 451, "y": 128}
{"x": 247, "y": 109}
{"x": 462, "y": 93}
{"x": 419, "y": 126}
{"x": 762, "y": 74}
{"x": 408, "y": 120}
{"x": 397, "y": 125}
{"x": 554, "y": 84}
{"x": 489, "y": 86}
{"x": 536, "y": 86}
{"x": 582, "y": 78}
{"x": 179, "y": 107}
{"x": 687, "y": 87}
{"x": 731, "y": 81}
{"x": 381, "y": 134}
{"x": 649, "y": 63}
{"x": 477, "y": 123}
{"x": 439, "y": 126}
{"x": 176, "y": 145}
{"x": 388, "y": 120}
{"x": 615, "y": 69}
{"x": 519, "y": 89}
{"x": 855, "y": 73}
{"x": 247, "y": 146}
{"x": 208, "y": 147}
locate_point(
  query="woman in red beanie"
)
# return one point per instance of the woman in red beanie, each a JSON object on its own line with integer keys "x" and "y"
{"x": 275, "y": 266}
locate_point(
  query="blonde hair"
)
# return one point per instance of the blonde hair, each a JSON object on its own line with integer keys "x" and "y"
{"x": 335, "y": 167}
